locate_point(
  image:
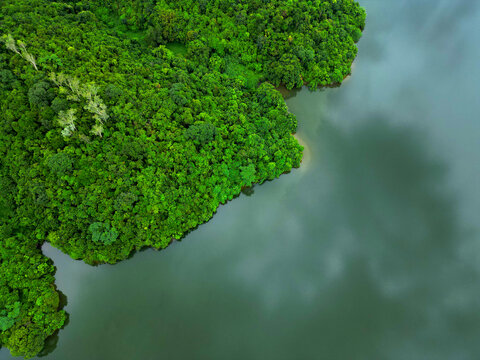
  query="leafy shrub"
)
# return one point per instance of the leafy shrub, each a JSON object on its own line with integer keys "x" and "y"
{"x": 39, "y": 94}
{"x": 103, "y": 233}
{"x": 6, "y": 79}
{"x": 201, "y": 133}
{"x": 9, "y": 315}
{"x": 59, "y": 104}
{"x": 125, "y": 201}
{"x": 111, "y": 93}
{"x": 60, "y": 163}
{"x": 178, "y": 93}
{"x": 86, "y": 17}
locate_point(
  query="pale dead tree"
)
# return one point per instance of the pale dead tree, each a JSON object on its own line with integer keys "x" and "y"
{"x": 77, "y": 91}
{"x": 26, "y": 55}
{"x": 74, "y": 84}
{"x": 84, "y": 138}
{"x": 10, "y": 44}
{"x": 67, "y": 117}
{"x": 71, "y": 82}
{"x": 89, "y": 91}
{"x": 57, "y": 79}
{"x": 67, "y": 120}
{"x": 68, "y": 131}
{"x": 53, "y": 78}
{"x": 98, "y": 109}
{"x": 97, "y": 130}
{"x": 93, "y": 89}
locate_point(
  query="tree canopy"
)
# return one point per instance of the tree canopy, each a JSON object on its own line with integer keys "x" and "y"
{"x": 125, "y": 124}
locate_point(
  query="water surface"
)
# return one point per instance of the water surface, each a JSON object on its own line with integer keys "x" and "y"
{"x": 369, "y": 251}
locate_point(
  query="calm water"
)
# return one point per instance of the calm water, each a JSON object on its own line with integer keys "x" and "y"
{"x": 371, "y": 250}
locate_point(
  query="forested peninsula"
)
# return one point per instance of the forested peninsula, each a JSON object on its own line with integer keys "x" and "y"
{"x": 125, "y": 124}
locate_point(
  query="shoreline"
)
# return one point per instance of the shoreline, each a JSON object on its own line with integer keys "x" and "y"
{"x": 306, "y": 156}
{"x": 349, "y": 76}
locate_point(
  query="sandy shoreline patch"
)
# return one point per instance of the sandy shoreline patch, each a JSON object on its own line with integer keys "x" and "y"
{"x": 348, "y": 77}
{"x": 306, "y": 152}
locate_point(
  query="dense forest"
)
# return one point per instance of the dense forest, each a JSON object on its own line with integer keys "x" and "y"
{"x": 124, "y": 124}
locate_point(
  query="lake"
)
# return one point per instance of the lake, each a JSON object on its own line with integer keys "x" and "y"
{"x": 370, "y": 250}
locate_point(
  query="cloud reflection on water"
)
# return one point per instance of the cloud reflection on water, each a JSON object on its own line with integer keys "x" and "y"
{"x": 373, "y": 253}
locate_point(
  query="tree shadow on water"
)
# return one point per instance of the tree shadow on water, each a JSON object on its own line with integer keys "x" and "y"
{"x": 249, "y": 191}
{"x": 52, "y": 341}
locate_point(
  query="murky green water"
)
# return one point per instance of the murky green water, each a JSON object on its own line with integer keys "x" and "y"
{"x": 369, "y": 251}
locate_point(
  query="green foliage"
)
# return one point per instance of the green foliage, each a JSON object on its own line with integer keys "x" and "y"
{"x": 85, "y": 17}
{"x": 281, "y": 40}
{"x": 201, "y": 133}
{"x": 53, "y": 59}
{"x": 179, "y": 94}
{"x": 60, "y": 163}
{"x": 103, "y": 233}
{"x": 135, "y": 143}
{"x": 39, "y": 94}
{"x": 9, "y": 315}
{"x": 59, "y": 104}
{"x": 6, "y": 79}
{"x": 125, "y": 201}
{"x": 287, "y": 71}
{"x": 29, "y": 303}
{"x": 112, "y": 93}
{"x": 248, "y": 174}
